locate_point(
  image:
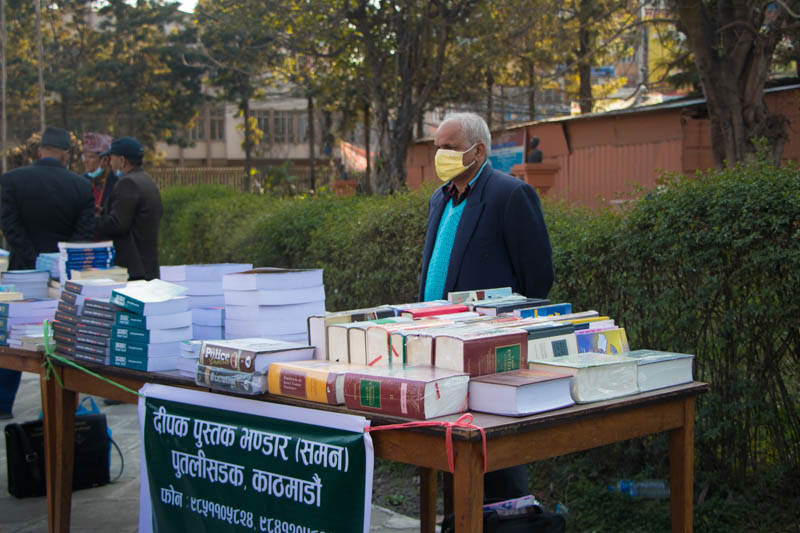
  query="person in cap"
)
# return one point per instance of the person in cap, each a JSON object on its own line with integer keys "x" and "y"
{"x": 485, "y": 229}
{"x": 98, "y": 169}
{"x": 134, "y": 211}
{"x": 41, "y": 205}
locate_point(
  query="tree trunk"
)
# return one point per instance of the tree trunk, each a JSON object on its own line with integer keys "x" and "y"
{"x": 586, "y": 41}
{"x": 312, "y": 149}
{"x": 532, "y": 89}
{"x": 489, "y": 99}
{"x": 368, "y": 154}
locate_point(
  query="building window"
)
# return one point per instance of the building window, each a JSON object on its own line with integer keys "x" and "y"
{"x": 282, "y": 127}
{"x": 217, "y": 123}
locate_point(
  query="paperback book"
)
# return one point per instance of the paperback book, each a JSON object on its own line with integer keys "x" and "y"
{"x": 520, "y": 392}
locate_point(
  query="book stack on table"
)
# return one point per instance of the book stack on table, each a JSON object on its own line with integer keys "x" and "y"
{"x": 204, "y": 292}
{"x": 31, "y": 283}
{"x": 49, "y": 262}
{"x": 151, "y": 320}
{"x": 190, "y": 353}
{"x": 30, "y": 312}
{"x": 82, "y": 326}
{"x": 272, "y": 302}
{"x": 84, "y": 256}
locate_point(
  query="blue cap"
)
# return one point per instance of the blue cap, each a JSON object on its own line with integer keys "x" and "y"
{"x": 127, "y": 147}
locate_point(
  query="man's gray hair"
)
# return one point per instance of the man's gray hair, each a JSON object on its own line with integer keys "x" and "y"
{"x": 474, "y": 128}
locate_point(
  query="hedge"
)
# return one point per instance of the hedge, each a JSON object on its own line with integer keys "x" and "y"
{"x": 706, "y": 264}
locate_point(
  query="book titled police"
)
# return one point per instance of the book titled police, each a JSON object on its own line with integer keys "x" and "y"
{"x": 252, "y": 354}
{"x": 520, "y": 392}
{"x": 418, "y": 392}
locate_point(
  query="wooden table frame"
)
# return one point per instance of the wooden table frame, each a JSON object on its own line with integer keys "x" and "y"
{"x": 510, "y": 441}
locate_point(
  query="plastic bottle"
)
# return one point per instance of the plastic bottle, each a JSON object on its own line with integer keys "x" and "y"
{"x": 648, "y": 489}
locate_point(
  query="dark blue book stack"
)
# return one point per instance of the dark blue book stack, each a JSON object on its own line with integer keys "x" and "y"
{"x": 84, "y": 256}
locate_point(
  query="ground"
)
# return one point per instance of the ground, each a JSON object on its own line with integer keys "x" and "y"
{"x": 396, "y": 487}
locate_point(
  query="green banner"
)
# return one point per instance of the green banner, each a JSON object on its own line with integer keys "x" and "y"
{"x": 244, "y": 465}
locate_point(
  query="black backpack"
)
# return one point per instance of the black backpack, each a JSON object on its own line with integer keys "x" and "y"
{"x": 532, "y": 520}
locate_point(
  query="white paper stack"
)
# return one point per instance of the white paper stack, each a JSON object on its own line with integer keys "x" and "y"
{"x": 31, "y": 283}
{"x": 187, "y": 362}
{"x": 204, "y": 292}
{"x": 272, "y": 302}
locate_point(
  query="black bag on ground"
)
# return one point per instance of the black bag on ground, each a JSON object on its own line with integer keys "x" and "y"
{"x": 25, "y": 455}
{"x": 535, "y": 520}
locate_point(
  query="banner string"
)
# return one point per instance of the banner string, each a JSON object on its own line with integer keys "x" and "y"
{"x": 50, "y": 355}
{"x": 464, "y": 421}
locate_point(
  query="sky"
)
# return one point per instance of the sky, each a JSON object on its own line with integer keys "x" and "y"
{"x": 188, "y": 5}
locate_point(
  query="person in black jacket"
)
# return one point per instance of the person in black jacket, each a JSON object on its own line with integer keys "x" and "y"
{"x": 134, "y": 212}
{"x": 98, "y": 169}
{"x": 44, "y": 203}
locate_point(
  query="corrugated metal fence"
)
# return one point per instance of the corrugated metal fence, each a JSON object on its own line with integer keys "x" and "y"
{"x": 280, "y": 180}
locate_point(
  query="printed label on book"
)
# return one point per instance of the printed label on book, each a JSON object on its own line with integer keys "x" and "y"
{"x": 560, "y": 348}
{"x": 371, "y": 393}
{"x": 293, "y": 383}
{"x": 507, "y": 358}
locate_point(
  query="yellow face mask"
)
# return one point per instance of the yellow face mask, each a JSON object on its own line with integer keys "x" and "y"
{"x": 449, "y": 163}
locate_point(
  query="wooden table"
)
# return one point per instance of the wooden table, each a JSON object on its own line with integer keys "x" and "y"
{"x": 510, "y": 441}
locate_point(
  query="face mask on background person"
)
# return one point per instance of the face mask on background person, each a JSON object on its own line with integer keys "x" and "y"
{"x": 449, "y": 163}
{"x": 96, "y": 172}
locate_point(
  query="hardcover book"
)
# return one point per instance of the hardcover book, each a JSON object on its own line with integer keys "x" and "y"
{"x": 520, "y": 392}
{"x": 549, "y": 340}
{"x": 356, "y": 341}
{"x": 435, "y": 310}
{"x": 610, "y": 341}
{"x": 317, "y": 324}
{"x": 224, "y": 379}
{"x": 657, "y": 369}
{"x": 544, "y": 310}
{"x": 381, "y": 351}
{"x": 596, "y": 376}
{"x": 482, "y": 352}
{"x": 506, "y": 305}
{"x": 251, "y": 355}
{"x": 419, "y": 392}
{"x": 315, "y": 380}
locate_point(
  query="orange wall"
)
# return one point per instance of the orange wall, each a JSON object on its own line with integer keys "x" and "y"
{"x": 603, "y": 159}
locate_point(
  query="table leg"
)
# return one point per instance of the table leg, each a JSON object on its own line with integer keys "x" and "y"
{"x": 681, "y": 469}
{"x": 59, "y": 415}
{"x": 427, "y": 499}
{"x": 49, "y": 427}
{"x": 468, "y": 487}
{"x": 448, "y": 493}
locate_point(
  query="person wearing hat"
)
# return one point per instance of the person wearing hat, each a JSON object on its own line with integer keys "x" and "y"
{"x": 98, "y": 169}
{"x": 134, "y": 211}
{"x": 41, "y": 205}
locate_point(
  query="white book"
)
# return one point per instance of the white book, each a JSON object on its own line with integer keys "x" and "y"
{"x": 357, "y": 341}
{"x": 268, "y": 278}
{"x": 207, "y": 332}
{"x": 202, "y": 288}
{"x": 201, "y": 272}
{"x": 290, "y": 313}
{"x": 657, "y": 369}
{"x": 595, "y": 376}
{"x": 275, "y": 296}
{"x": 520, "y": 392}
{"x": 266, "y": 328}
{"x": 208, "y": 316}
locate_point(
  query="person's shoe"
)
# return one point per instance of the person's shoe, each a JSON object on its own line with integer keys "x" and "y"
{"x": 109, "y": 401}
{"x": 6, "y": 416}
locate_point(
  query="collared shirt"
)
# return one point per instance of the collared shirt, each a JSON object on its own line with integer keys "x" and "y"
{"x": 445, "y": 237}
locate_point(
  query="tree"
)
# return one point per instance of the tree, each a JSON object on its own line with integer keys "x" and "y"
{"x": 238, "y": 43}
{"x": 733, "y": 43}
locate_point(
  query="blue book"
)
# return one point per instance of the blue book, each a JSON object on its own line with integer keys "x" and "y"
{"x": 544, "y": 310}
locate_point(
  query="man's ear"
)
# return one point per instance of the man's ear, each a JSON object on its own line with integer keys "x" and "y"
{"x": 480, "y": 152}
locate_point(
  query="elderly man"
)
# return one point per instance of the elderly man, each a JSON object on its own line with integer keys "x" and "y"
{"x": 42, "y": 204}
{"x": 485, "y": 230}
{"x": 134, "y": 211}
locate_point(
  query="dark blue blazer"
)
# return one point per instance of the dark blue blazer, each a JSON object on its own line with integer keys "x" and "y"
{"x": 501, "y": 241}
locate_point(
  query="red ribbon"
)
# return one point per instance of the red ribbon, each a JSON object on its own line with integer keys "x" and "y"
{"x": 464, "y": 421}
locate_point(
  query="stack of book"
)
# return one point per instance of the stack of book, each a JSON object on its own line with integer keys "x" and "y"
{"x": 9, "y": 293}
{"x": 190, "y": 353}
{"x": 29, "y": 311}
{"x": 49, "y": 262}
{"x": 4, "y": 256}
{"x": 116, "y": 273}
{"x": 242, "y": 365}
{"x": 26, "y": 336}
{"x": 272, "y": 302}
{"x": 152, "y": 320}
{"x": 204, "y": 292}
{"x": 82, "y": 321}
{"x": 31, "y": 283}
{"x": 83, "y": 256}
{"x": 318, "y": 325}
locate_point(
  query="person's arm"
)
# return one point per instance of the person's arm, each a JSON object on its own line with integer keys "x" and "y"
{"x": 122, "y": 209}
{"x": 528, "y": 243}
{"x": 14, "y": 230}
{"x": 85, "y": 225}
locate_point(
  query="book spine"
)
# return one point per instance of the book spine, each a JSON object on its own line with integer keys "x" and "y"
{"x": 89, "y": 357}
{"x": 492, "y": 355}
{"x": 129, "y": 360}
{"x": 95, "y": 322}
{"x": 92, "y": 339}
{"x": 231, "y": 381}
{"x": 71, "y": 286}
{"x": 383, "y": 394}
{"x": 69, "y": 297}
{"x": 131, "y": 304}
{"x": 88, "y": 329}
{"x": 65, "y": 328}
{"x": 94, "y": 303}
{"x": 3, "y": 309}
{"x": 102, "y": 314}
{"x": 130, "y": 334}
{"x": 314, "y": 386}
{"x": 66, "y": 317}
{"x": 3, "y": 322}
{"x": 228, "y": 358}
{"x": 60, "y": 338}
{"x": 126, "y": 348}
{"x": 66, "y": 307}
{"x": 91, "y": 348}
{"x": 130, "y": 320}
